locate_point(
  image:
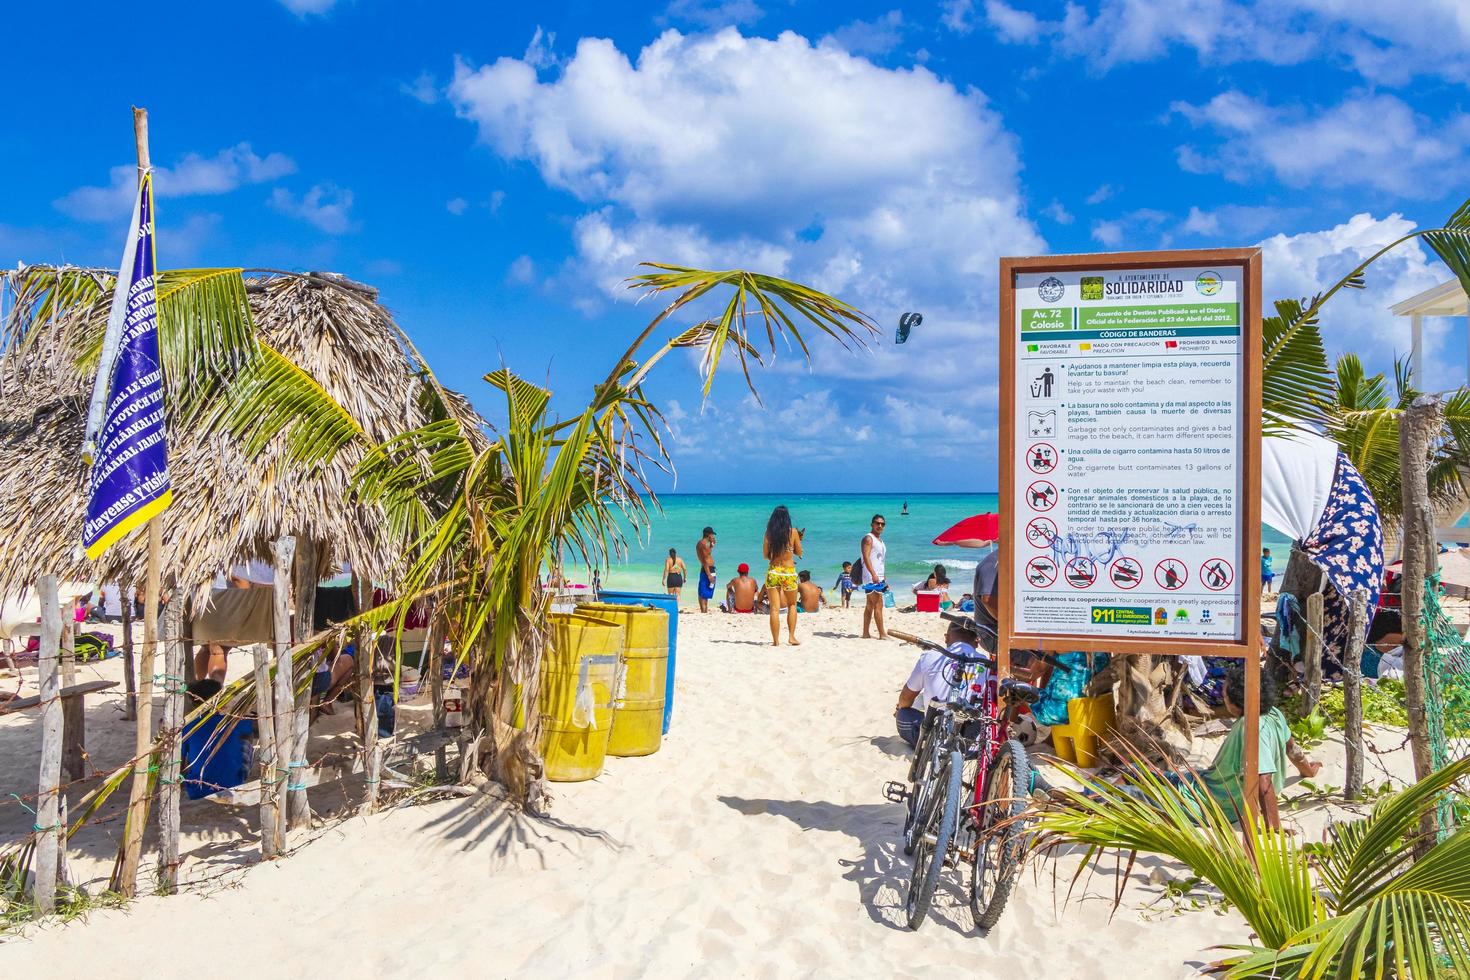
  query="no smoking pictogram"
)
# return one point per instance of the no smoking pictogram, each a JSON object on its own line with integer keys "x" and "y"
{"x": 1217, "y": 574}
{"x": 1041, "y": 572}
{"x": 1041, "y": 495}
{"x": 1041, "y": 458}
{"x": 1171, "y": 574}
{"x": 1125, "y": 573}
{"x": 1081, "y": 572}
{"x": 1041, "y": 532}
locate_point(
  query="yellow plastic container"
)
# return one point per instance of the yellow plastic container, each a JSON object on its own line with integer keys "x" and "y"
{"x": 584, "y": 654}
{"x": 638, "y": 720}
{"x": 1088, "y": 719}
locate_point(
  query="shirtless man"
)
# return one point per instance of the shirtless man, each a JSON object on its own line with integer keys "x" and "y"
{"x": 808, "y": 592}
{"x": 741, "y": 591}
{"x": 705, "y": 552}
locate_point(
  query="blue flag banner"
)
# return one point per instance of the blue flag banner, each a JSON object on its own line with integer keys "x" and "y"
{"x": 125, "y": 428}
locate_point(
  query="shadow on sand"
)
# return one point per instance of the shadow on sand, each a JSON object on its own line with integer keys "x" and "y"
{"x": 881, "y": 874}
{"x": 512, "y": 834}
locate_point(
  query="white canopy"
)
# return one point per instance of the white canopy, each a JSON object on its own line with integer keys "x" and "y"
{"x": 1297, "y": 470}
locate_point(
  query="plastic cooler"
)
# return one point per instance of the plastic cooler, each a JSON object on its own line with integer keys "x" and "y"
{"x": 670, "y": 605}
{"x": 928, "y": 600}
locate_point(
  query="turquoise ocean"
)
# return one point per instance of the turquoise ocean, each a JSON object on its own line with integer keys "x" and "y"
{"x": 835, "y": 524}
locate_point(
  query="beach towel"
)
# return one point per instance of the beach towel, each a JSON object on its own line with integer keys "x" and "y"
{"x": 1347, "y": 544}
{"x": 235, "y": 617}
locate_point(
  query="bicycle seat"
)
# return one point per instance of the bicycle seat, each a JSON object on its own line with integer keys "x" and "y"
{"x": 1011, "y": 690}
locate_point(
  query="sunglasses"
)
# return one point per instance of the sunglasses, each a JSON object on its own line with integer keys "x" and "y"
{"x": 880, "y": 523}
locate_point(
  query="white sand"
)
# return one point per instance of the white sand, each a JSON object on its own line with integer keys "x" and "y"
{"x": 756, "y": 843}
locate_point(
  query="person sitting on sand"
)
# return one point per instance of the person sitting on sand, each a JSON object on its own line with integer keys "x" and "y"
{"x": 809, "y": 594}
{"x": 939, "y": 575}
{"x": 741, "y": 592}
{"x": 331, "y": 678}
{"x": 782, "y": 547}
{"x": 845, "y": 585}
{"x": 215, "y": 754}
{"x": 929, "y": 682}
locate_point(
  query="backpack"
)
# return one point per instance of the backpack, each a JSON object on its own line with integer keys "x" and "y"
{"x": 857, "y": 571}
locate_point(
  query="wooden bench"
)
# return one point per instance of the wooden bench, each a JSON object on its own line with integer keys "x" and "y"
{"x": 73, "y": 722}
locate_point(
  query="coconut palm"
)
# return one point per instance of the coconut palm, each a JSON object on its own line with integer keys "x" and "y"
{"x": 547, "y": 486}
{"x": 1356, "y": 905}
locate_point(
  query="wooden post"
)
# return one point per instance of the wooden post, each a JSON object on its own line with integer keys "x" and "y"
{"x": 306, "y": 574}
{"x": 1312, "y": 653}
{"x": 1352, "y": 692}
{"x": 434, "y": 663}
{"x": 284, "y": 553}
{"x": 130, "y": 674}
{"x": 127, "y": 883}
{"x": 68, "y": 647}
{"x": 169, "y": 775}
{"x": 1418, "y": 430}
{"x": 362, "y": 591}
{"x": 49, "y": 831}
{"x": 265, "y": 754}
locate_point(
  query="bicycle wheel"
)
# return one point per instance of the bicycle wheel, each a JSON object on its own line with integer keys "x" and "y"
{"x": 921, "y": 800}
{"x": 997, "y": 854}
{"x": 931, "y": 844}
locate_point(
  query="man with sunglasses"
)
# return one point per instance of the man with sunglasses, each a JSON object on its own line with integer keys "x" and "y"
{"x": 874, "y": 585}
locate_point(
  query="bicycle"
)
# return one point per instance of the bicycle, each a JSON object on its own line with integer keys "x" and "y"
{"x": 961, "y": 757}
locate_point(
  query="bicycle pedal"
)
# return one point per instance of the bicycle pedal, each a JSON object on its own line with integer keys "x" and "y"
{"x": 895, "y": 791}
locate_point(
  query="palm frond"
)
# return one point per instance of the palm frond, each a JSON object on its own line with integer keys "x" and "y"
{"x": 1295, "y": 379}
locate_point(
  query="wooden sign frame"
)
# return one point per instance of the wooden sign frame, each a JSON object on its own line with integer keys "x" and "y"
{"x": 1247, "y": 644}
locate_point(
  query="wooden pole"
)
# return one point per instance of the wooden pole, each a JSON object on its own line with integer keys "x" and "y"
{"x": 434, "y": 664}
{"x": 138, "y": 792}
{"x": 284, "y": 553}
{"x": 362, "y": 591}
{"x": 73, "y": 713}
{"x": 169, "y": 776}
{"x": 270, "y": 781}
{"x": 1312, "y": 653}
{"x": 306, "y": 574}
{"x": 1352, "y": 692}
{"x": 1418, "y": 427}
{"x": 49, "y": 829}
{"x": 130, "y": 674}
{"x": 68, "y": 647}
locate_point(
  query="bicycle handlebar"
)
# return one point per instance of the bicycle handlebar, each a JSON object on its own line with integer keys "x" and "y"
{"x": 977, "y": 628}
{"x": 983, "y": 659}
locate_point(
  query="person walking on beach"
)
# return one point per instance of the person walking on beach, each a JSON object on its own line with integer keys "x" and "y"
{"x": 705, "y": 552}
{"x": 674, "y": 573}
{"x": 845, "y": 585}
{"x": 782, "y": 547}
{"x": 874, "y": 583}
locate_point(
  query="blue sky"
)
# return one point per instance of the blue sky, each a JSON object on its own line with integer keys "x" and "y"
{"x": 497, "y": 169}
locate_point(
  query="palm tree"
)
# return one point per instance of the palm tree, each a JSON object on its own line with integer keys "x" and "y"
{"x": 547, "y": 486}
{"x": 1352, "y": 906}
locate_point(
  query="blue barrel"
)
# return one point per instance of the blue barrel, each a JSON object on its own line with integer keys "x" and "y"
{"x": 671, "y": 606}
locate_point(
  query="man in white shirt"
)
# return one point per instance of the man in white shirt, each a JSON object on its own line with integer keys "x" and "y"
{"x": 873, "y": 572}
{"x": 930, "y": 681}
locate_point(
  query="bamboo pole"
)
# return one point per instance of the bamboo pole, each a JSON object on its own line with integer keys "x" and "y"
{"x": 366, "y": 657}
{"x": 265, "y": 753}
{"x": 73, "y": 714}
{"x": 284, "y": 553}
{"x": 1418, "y": 426}
{"x": 1352, "y": 692}
{"x": 49, "y": 829}
{"x": 169, "y": 776}
{"x": 130, "y": 674}
{"x": 138, "y": 792}
{"x": 305, "y": 575}
{"x": 1312, "y": 653}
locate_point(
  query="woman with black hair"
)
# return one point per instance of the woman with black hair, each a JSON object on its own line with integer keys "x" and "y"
{"x": 782, "y": 547}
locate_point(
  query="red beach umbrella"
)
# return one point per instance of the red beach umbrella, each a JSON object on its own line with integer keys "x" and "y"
{"x": 972, "y": 532}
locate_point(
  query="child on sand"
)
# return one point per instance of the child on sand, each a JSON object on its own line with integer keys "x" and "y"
{"x": 844, "y": 584}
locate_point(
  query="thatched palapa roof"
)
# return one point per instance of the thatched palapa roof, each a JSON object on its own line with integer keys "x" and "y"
{"x": 225, "y": 507}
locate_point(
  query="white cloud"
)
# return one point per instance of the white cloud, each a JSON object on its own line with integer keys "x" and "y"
{"x": 301, "y": 8}
{"x": 456, "y": 205}
{"x": 1056, "y": 212}
{"x": 1012, "y": 25}
{"x": 1384, "y": 42}
{"x": 1109, "y": 233}
{"x": 192, "y": 176}
{"x": 538, "y": 53}
{"x": 424, "y": 88}
{"x": 326, "y": 206}
{"x": 713, "y": 14}
{"x": 1302, "y": 265}
{"x": 958, "y": 16}
{"x": 522, "y": 271}
{"x": 1372, "y": 141}
{"x": 869, "y": 37}
{"x": 1101, "y": 194}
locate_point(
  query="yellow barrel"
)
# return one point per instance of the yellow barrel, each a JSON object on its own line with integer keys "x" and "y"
{"x": 638, "y": 720}
{"x": 584, "y": 653}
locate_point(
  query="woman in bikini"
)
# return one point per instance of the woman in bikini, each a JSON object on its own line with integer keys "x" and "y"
{"x": 674, "y": 573}
{"x": 782, "y": 546}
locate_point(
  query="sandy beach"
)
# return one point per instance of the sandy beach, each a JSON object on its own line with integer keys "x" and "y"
{"x": 755, "y": 843}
